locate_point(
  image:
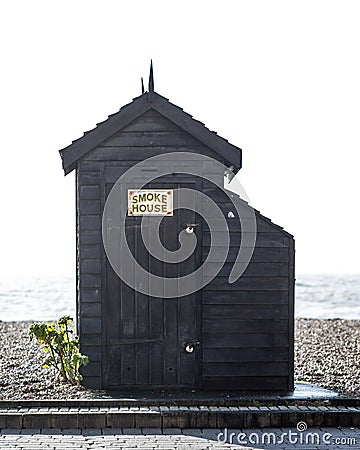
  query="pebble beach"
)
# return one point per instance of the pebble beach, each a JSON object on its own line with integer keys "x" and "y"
{"x": 327, "y": 353}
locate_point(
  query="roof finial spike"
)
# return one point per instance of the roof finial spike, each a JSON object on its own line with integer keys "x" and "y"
{"x": 151, "y": 78}
{"x": 142, "y": 85}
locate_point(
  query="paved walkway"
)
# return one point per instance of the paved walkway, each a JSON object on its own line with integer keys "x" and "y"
{"x": 176, "y": 439}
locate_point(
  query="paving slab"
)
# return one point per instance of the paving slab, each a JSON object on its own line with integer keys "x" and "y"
{"x": 241, "y": 439}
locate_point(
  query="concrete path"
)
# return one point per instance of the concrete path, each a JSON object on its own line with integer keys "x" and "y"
{"x": 177, "y": 439}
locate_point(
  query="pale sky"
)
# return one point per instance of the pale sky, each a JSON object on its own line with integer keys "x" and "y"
{"x": 279, "y": 79}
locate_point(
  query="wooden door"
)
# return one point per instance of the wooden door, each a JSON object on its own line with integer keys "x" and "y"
{"x": 146, "y": 336}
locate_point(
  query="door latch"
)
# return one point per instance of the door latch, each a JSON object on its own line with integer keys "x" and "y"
{"x": 189, "y": 347}
{"x": 190, "y": 227}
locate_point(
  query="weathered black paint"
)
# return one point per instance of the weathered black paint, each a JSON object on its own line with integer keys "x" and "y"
{"x": 245, "y": 329}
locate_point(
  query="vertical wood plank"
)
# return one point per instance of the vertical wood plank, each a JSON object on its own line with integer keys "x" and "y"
{"x": 142, "y": 313}
{"x": 171, "y": 306}
{"x": 128, "y": 324}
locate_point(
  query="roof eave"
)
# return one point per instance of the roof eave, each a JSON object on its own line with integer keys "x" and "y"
{"x": 116, "y": 122}
{"x": 198, "y": 130}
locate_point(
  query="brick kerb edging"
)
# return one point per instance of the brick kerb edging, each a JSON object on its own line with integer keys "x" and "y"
{"x": 216, "y": 401}
{"x": 178, "y": 417}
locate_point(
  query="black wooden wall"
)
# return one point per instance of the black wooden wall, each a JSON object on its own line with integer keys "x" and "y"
{"x": 246, "y": 327}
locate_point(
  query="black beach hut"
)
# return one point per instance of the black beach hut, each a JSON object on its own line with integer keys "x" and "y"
{"x": 220, "y": 336}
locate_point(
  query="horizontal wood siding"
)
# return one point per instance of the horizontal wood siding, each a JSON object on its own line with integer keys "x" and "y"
{"x": 149, "y": 135}
{"x": 215, "y": 239}
{"x": 239, "y": 297}
{"x": 249, "y": 354}
{"x": 255, "y": 339}
{"x": 89, "y": 266}
{"x": 246, "y": 324}
{"x": 254, "y": 269}
{"x": 248, "y": 283}
{"x": 260, "y": 254}
{"x": 246, "y": 383}
{"x": 236, "y": 369}
{"x": 150, "y": 138}
{"x": 250, "y": 311}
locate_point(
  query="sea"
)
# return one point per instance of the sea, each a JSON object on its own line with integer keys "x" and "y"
{"x": 46, "y": 298}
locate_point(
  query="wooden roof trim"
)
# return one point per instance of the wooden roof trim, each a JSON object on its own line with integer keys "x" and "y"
{"x": 273, "y": 224}
{"x": 258, "y": 213}
{"x": 198, "y": 130}
{"x": 116, "y": 122}
{"x": 91, "y": 139}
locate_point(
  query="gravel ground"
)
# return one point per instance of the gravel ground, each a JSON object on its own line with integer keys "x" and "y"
{"x": 327, "y": 352}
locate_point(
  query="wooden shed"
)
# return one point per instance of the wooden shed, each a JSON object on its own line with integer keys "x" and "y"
{"x": 224, "y": 336}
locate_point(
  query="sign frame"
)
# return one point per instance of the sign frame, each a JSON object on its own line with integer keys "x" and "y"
{"x": 153, "y": 202}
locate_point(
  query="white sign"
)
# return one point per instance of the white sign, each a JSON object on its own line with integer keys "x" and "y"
{"x": 150, "y": 202}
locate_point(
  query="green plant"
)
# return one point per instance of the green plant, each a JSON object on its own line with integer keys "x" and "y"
{"x": 62, "y": 351}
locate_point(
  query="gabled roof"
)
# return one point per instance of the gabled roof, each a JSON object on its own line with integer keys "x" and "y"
{"x": 128, "y": 113}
